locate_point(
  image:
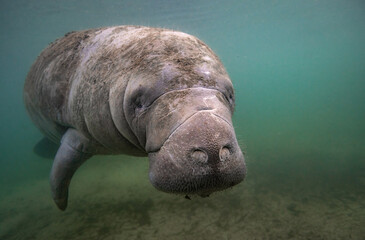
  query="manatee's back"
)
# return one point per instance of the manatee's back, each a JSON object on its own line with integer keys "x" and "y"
{"x": 57, "y": 77}
{"x": 48, "y": 83}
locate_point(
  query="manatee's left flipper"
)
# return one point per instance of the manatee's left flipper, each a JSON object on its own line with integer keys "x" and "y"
{"x": 46, "y": 148}
{"x": 74, "y": 151}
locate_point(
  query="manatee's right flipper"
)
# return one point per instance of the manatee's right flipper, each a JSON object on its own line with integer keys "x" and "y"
{"x": 74, "y": 151}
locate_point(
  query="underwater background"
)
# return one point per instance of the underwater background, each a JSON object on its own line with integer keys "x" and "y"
{"x": 298, "y": 68}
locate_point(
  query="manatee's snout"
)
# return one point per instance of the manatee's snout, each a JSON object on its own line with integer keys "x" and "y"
{"x": 200, "y": 157}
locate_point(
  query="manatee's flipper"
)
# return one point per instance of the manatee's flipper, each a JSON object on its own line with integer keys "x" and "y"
{"x": 74, "y": 151}
{"x": 45, "y": 148}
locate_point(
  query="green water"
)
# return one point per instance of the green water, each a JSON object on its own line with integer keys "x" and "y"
{"x": 298, "y": 68}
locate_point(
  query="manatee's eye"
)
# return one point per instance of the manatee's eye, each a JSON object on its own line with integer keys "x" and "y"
{"x": 229, "y": 96}
{"x": 139, "y": 101}
{"x": 138, "y": 106}
{"x": 231, "y": 100}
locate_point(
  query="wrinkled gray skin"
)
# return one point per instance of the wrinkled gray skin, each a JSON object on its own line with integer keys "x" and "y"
{"x": 137, "y": 91}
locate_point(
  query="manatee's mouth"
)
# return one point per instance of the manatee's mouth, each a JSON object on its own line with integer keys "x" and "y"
{"x": 200, "y": 156}
{"x": 202, "y": 185}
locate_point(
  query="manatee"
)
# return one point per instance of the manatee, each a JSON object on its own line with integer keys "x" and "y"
{"x": 137, "y": 91}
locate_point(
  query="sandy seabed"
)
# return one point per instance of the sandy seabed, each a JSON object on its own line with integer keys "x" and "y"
{"x": 113, "y": 199}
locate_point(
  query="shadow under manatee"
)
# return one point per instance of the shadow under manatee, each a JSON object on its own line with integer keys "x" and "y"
{"x": 136, "y": 210}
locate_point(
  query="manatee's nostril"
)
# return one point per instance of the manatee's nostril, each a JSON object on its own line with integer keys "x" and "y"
{"x": 199, "y": 156}
{"x": 224, "y": 154}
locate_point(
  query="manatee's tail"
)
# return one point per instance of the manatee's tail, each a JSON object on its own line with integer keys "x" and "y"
{"x": 73, "y": 152}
